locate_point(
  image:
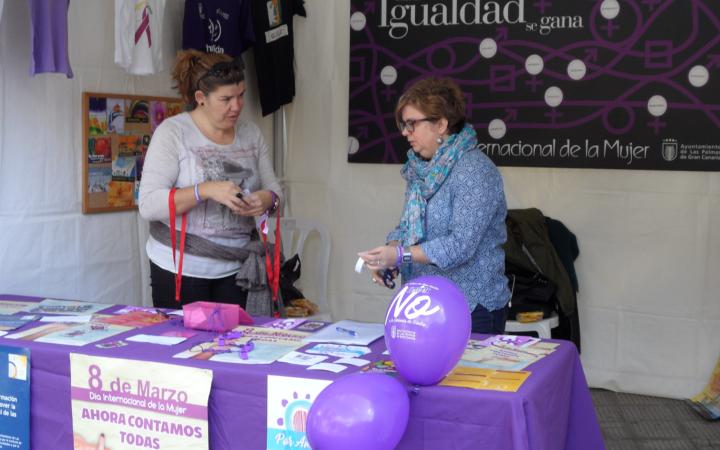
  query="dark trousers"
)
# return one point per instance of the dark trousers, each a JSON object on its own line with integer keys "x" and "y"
{"x": 221, "y": 290}
{"x": 489, "y": 322}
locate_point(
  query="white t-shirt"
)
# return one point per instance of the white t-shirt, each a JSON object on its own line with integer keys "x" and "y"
{"x": 180, "y": 155}
{"x": 138, "y": 36}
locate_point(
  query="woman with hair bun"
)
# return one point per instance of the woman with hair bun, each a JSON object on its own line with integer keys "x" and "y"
{"x": 222, "y": 173}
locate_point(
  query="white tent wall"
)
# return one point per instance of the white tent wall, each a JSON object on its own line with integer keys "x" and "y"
{"x": 48, "y": 248}
{"x": 649, "y": 241}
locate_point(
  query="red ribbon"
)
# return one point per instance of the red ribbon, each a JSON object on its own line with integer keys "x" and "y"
{"x": 173, "y": 240}
{"x": 144, "y": 27}
{"x": 273, "y": 268}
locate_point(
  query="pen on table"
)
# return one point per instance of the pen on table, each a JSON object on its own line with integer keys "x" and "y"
{"x": 345, "y": 330}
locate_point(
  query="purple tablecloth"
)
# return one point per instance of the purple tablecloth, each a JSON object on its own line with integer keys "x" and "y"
{"x": 552, "y": 410}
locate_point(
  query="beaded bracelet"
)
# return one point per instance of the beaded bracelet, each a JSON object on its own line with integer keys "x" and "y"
{"x": 197, "y": 193}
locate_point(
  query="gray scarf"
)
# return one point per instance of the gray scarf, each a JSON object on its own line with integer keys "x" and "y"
{"x": 252, "y": 275}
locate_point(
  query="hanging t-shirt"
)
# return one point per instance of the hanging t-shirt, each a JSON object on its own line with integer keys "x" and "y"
{"x": 49, "y": 37}
{"x": 274, "y": 51}
{"x": 138, "y": 36}
{"x": 218, "y": 26}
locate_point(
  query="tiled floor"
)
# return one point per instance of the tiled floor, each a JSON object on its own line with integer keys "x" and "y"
{"x": 639, "y": 422}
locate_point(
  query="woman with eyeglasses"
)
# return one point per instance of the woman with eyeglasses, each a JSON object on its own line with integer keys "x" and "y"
{"x": 453, "y": 221}
{"x": 222, "y": 173}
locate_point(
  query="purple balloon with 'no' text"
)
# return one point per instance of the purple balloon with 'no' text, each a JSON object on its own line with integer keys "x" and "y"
{"x": 359, "y": 411}
{"x": 427, "y": 328}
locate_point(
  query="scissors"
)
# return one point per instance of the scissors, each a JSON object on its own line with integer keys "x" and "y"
{"x": 388, "y": 276}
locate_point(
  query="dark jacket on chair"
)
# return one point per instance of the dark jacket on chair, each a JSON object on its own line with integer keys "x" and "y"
{"x": 528, "y": 227}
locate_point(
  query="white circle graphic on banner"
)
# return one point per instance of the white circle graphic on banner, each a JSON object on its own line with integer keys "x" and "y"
{"x": 699, "y": 76}
{"x": 388, "y": 75}
{"x": 358, "y": 21}
{"x": 553, "y": 96}
{"x": 610, "y": 9}
{"x": 534, "y": 64}
{"x": 576, "y": 69}
{"x": 488, "y": 48}
{"x": 353, "y": 145}
{"x": 657, "y": 105}
{"x": 497, "y": 128}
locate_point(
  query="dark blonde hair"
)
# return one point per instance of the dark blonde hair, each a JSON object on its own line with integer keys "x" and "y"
{"x": 195, "y": 70}
{"x": 437, "y": 98}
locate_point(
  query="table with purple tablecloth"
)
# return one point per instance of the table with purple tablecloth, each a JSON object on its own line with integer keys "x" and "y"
{"x": 552, "y": 409}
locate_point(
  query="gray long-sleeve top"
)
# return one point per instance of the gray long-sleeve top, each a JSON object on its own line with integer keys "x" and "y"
{"x": 180, "y": 156}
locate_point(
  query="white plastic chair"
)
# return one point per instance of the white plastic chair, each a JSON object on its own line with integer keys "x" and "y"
{"x": 541, "y": 327}
{"x": 294, "y": 234}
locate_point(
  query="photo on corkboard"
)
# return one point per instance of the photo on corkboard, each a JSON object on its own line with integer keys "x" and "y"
{"x": 120, "y": 193}
{"x": 116, "y": 115}
{"x": 159, "y": 112}
{"x": 138, "y": 111}
{"x": 97, "y": 116}
{"x": 99, "y": 150}
{"x": 98, "y": 179}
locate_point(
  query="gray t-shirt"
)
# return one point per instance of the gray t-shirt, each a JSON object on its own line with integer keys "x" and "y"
{"x": 180, "y": 156}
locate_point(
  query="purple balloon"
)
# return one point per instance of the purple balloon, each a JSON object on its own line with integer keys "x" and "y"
{"x": 359, "y": 411}
{"x": 427, "y": 328}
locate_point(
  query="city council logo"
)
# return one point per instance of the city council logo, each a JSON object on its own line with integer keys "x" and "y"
{"x": 669, "y": 149}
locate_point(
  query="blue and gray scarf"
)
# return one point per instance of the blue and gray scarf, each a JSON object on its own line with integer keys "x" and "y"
{"x": 424, "y": 178}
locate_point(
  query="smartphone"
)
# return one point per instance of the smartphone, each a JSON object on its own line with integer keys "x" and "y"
{"x": 240, "y": 195}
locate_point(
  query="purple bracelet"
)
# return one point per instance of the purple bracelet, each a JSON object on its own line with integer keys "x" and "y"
{"x": 399, "y": 251}
{"x": 197, "y": 193}
{"x": 274, "y": 206}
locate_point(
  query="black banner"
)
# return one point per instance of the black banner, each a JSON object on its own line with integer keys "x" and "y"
{"x": 621, "y": 84}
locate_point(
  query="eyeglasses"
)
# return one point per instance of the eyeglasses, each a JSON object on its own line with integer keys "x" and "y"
{"x": 409, "y": 124}
{"x": 223, "y": 69}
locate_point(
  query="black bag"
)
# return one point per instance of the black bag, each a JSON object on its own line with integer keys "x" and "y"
{"x": 531, "y": 291}
{"x": 289, "y": 274}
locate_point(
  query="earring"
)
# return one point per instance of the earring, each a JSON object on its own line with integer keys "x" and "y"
{"x": 439, "y": 140}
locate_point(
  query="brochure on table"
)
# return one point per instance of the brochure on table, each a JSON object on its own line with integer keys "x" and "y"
{"x": 135, "y": 319}
{"x": 14, "y": 398}
{"x": 349, "y": 332}
{"x": 485, "y": 379}
{"x": 497, "y": 353}
{"x": 69, "y": 333}
{"x": 66, "y": 307}
{"x": 110, "y": 397}
{"x": 8, "y": 322}
{"x": 268, "y": 345}
{"x": 8, "y": 306}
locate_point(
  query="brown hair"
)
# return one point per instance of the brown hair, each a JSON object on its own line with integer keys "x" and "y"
{"x": 437, "y": 98}
{"x": 195, "y": 70}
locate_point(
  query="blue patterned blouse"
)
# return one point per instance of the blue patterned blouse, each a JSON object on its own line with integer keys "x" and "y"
{"x": 464, "y": 233}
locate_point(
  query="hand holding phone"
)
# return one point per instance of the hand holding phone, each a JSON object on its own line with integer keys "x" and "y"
{"x": 241, "y": 194}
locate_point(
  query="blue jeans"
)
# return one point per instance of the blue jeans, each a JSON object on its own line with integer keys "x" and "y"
{"x": 489, "y": 322}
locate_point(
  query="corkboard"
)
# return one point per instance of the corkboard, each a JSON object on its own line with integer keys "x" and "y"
{"x": 117, "y": 129}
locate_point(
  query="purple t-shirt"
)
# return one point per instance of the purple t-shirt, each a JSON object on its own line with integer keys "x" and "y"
{"x": 49, "y": 35}
{"x": 218, "y": 26}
